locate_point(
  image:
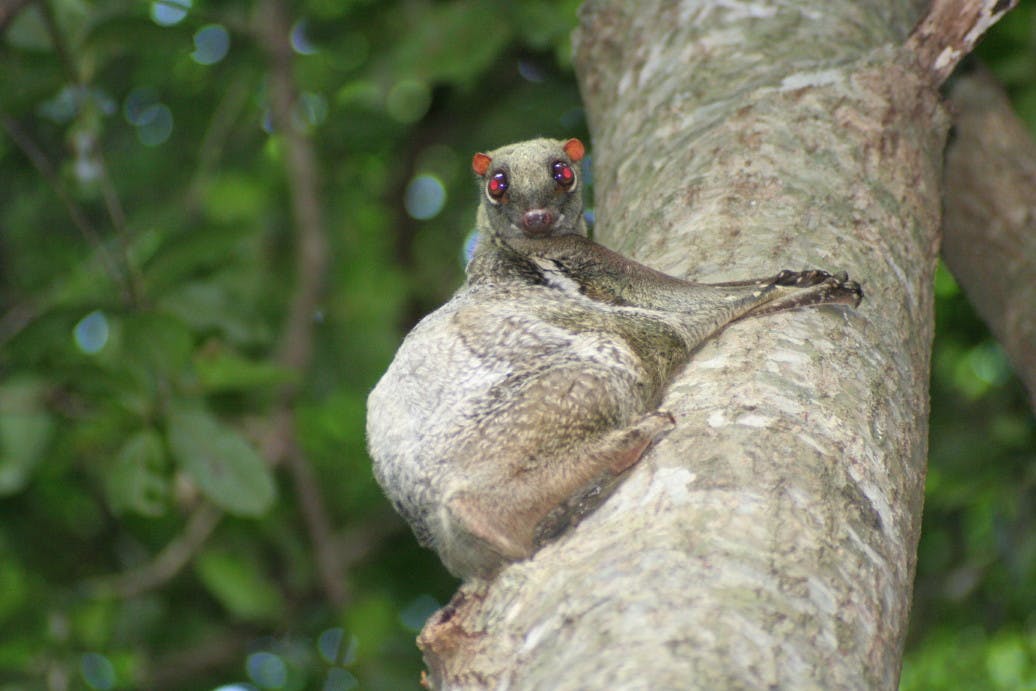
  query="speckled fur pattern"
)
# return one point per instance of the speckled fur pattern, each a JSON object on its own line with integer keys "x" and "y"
{"x": 509, "y": 408}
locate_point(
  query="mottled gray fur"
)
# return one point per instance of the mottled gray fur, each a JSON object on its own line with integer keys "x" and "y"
{"x": 508, "y": 409}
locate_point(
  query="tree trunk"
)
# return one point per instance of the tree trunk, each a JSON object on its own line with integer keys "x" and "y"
{"x": 769, "y": 541}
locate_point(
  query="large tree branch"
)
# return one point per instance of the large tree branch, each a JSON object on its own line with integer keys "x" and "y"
{"x": 989, "y": 231}
{"x": 769, "y": 540}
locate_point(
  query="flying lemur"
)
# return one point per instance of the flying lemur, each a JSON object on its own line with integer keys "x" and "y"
{"x": 539, "y": 382}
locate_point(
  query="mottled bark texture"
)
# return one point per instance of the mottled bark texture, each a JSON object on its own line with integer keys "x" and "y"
{"x": 769, "y": 541}
{"x": 989, "y": 231}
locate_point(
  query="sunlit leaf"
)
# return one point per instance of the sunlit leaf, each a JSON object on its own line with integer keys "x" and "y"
{"x": 234, "y": 198}
{"x": 227, "y": 372}
{"x": 238, "y": 585}
{"x": 25, "y": 429}
{"x": 28, "y": 31}
{"x": 92, "y": 621}
{"x": 373, "y": 621}
{"x": 137, "y": 480}
{"x": 227, "y": 469}
{"x": 1009, "y": 663}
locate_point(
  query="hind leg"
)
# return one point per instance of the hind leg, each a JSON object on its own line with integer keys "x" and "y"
{"x": 508, "y": 516}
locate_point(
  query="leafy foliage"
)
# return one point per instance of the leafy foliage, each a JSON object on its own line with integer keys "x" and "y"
{"x": 147, "y": 268}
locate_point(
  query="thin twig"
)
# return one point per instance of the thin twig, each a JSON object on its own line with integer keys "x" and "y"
{"x": 118, "y": 219}
{"x": 296, "y": 347}
{"x": 75, "y": 213}
{"x": 175, "y": 670}
{"x": 57, "y": 41}
{"x": 16, "y": 319}
{"x": 223, "y": 120}
{"x": 166, "y": 564}
{"x": 329, "y": 558}
{"x": 113, "y": 205}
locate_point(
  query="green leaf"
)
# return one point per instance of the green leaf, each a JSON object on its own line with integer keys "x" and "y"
{"x": 446, "y": 45}
{"x": 235, "y": 198}
{"x": 137, "y": 481}
{"x": 25, "y": 429}
{"x": 228, "y": 372}
{"x": 213, "y": 305}
{"x": 157, "y": 341}
{"x": 181, "y": 257}
{"x": 238, "y": 585}
{"x": 374, "y": 618}
{"x": 1008, "y": 662}
{"x": 227, "y": 469}
{"x": 14, "y": 587}
{"x": 29, "y": 32}
{"x": 93, "y": 621}
{"x": 544, "y": 22}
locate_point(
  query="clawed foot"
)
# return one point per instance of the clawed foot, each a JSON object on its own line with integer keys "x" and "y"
{"x": 823, "y": 288}
{"x": 630, "y": 445}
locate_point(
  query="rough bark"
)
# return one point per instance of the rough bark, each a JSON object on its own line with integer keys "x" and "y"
{"x": 989, "y": 231}
{"x": 769, "y": 541}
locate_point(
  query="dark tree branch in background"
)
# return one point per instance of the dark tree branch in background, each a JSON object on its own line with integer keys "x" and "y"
{"x": 176, "y": 670}
{"x": 311, "y": 261}
{"x": 57, "y": 40}
{"x": 989, "y": 226}
{"x": 9, "y": 9}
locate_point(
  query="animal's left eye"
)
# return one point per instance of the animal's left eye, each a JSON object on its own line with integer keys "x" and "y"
{"x": 562, "y": 174}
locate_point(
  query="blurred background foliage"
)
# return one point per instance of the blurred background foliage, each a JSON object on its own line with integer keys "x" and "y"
{"x": 182, "y": 506}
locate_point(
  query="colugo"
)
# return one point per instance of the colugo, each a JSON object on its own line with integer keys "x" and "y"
{"x": 505, "y": 411}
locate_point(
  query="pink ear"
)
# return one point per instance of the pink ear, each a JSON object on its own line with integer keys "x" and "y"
{"x": 480, "y": 163}
{"x": 575, "y": 150}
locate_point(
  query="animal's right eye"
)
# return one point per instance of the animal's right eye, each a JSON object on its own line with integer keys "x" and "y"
{"x": 497, "y": 185}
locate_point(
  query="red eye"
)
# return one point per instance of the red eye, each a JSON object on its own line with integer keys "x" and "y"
{"x": 562, "y": 174}
{"x": 497, "y": 185}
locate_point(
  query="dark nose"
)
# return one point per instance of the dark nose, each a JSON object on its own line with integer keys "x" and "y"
{"x": 537, "y": 221}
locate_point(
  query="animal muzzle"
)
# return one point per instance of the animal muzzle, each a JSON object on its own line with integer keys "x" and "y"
{"x": 537, "y": 221}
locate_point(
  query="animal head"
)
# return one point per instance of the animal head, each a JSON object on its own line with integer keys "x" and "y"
{"x": 531, "y": 189}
